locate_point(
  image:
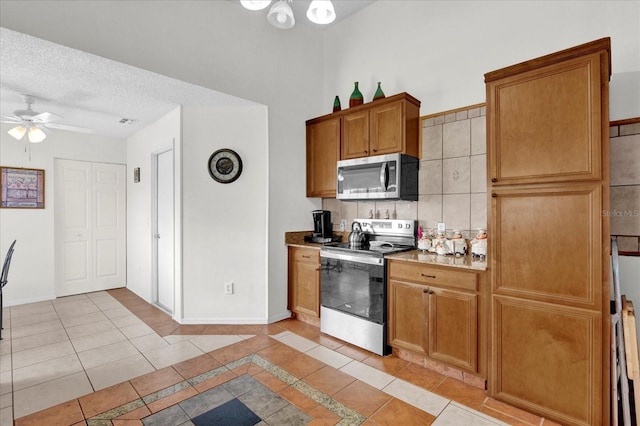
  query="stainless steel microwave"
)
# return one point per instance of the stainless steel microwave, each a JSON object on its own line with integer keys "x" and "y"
{"x": 392, "y": 177}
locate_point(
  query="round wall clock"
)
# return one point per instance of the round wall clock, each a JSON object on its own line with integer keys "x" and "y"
{"x": 225, "y": 165}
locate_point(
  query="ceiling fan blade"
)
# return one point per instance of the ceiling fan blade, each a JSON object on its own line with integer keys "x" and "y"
{"x": 10, "y": 119}
{"x": 45, "y": 117}
{"x": 59, "y": 126}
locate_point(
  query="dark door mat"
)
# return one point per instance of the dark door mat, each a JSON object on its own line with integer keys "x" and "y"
{"x": 233, "y": 412}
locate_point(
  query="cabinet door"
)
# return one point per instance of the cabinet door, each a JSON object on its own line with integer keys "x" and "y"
{"x": 355, "y": 135}
{"x": 407, "y": 316}
{"x": 306, "y": 295}
{"x": 453, "y": 328}
{"x": 548, "y": 359}
{"x": 387, "y": 131}
{"x": 323, "y": 152}
{"x": 547, "y": 244}
{"x": 545, "y": 124}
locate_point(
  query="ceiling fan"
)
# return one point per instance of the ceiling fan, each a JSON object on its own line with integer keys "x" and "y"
{"x": 36, "y": 125}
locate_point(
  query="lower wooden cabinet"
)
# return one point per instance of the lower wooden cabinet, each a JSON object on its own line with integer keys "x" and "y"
{"x": 304, "y": 281}
{"x": 434, "y": 319}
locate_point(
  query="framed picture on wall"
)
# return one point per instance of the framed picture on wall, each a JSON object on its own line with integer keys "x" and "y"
{"x": 21, "y": 188}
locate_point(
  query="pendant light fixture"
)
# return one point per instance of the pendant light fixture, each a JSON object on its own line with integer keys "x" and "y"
{"x": 255, "y": 4}
{"x": 281, "y": 16}
{"x": 321, "y": 12}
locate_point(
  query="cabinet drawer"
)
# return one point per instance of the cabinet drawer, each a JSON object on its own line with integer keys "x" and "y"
{"x": 306, "y": 255}
{"x": 433, "y": 276}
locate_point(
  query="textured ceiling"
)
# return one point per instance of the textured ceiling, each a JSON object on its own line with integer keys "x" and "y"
{"x": 88, "y": 90}
{"x": 94, "y": 92}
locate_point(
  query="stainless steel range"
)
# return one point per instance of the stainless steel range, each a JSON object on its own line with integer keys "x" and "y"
{"x": 353, "y": 283}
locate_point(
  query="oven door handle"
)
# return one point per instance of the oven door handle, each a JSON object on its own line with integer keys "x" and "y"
{"x": 370, "y": 260}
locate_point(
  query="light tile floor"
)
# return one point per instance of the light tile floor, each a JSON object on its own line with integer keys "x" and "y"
{"x": 70, "y": 351}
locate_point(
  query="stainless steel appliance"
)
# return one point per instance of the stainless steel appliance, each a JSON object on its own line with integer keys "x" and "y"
{"x": 353, "y": 283}
{"x": 392, "y": 176}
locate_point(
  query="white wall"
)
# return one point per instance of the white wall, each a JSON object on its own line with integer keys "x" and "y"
{"x": 439, "y": 51}
{"x": 32, "y": 270}
{"x": 160, "y": 136}
{"x": 225, "y": 226}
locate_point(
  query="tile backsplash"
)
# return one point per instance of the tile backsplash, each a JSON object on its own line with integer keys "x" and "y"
{"x": 453, "y": 182}
{"x": 625, "y": 183}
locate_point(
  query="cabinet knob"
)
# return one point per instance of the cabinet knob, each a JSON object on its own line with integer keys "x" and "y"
{"x": 375, "y": 150}
{"x": 494, "y": 179}
{"x": 494, "y": 195}
{"x": 425, "y": 291}
{"x": 366, "y": 152}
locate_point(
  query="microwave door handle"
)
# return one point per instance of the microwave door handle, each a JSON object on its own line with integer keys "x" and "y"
{"x": 384, "y": 176}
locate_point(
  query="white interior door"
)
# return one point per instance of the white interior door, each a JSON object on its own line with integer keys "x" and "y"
{"x": 90, "y": 226}
{"x": 164, "y": 233}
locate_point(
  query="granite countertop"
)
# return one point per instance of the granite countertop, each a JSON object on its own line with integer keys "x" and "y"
{"x": 296, "y": 238}
{"x": 418, "y": 256}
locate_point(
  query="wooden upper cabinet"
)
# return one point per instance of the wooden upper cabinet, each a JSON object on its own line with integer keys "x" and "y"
{"x": 355, "y": 135}
{"x": 323, "y": 152}
{"x": 385, "y": 126}
{"x": 545, "y": 124}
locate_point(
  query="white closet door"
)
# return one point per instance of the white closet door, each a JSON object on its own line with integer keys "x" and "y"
{"x": 90, "y": 226}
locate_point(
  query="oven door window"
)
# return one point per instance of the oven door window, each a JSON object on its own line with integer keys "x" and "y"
{"x": 354, "y": 288}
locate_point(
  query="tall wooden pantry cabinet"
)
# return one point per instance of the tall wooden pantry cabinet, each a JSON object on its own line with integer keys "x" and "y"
{"x": 548, "y": 167}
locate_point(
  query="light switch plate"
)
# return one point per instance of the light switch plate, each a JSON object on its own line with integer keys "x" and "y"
{"x": 441, "y": 227}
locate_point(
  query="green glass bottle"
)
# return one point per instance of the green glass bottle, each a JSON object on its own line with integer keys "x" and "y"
{"x": 356, "y": 97}
{"x": 336, "y": 104}
{"x": 379, "y": 93}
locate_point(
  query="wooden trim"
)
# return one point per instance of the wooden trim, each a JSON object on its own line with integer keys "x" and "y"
{"x": 625, "y": 121}
{"x": 451, "y": 111}
{"x": 553, "y": 58}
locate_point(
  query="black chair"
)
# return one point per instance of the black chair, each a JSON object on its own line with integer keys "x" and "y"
{"x": 4, "y": 279}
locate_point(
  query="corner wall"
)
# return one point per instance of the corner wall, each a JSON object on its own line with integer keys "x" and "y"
{"x": 159, "y": 136}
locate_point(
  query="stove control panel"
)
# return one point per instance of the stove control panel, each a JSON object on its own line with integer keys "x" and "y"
{"x": 396, "y": 227}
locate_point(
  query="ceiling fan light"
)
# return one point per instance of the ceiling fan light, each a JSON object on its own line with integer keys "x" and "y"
{"x": 281, "y": 16}
{"x": 255, "y": 4}
{"x": 35, "y": 135}
{"x": 321, "y": 12}
{"x": 18, "y": 132}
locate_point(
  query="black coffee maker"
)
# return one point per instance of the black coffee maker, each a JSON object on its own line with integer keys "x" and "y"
{"x": 322, "y": 226}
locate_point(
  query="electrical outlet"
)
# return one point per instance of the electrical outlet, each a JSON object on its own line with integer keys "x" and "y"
{"x": 343, "y": 225}
{"x": 441, "y": 227}
{"x": 228, "y": 288}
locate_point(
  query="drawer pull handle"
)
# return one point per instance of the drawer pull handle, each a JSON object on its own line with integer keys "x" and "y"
{"x": 427, "y": 275}
{"x": 306, "y": 256}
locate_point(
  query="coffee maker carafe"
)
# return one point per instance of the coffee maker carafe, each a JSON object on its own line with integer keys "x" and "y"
{"x": 322, "y": 226}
